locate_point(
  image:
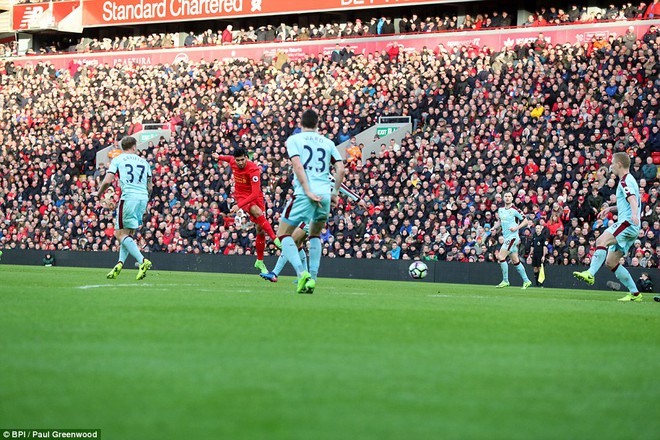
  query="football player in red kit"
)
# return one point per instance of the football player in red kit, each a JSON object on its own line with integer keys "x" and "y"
{"x": 250, "y": 198}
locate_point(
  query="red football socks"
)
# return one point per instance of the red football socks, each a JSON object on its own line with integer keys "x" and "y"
{"x": 263, "y": 222}
{"x": 260, "y": 244}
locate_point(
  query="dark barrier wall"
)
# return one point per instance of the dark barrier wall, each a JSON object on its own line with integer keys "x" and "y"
{"x": 393, "y": 270}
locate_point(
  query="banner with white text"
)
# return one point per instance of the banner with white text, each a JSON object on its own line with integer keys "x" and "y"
{"x": 120, "y": 12}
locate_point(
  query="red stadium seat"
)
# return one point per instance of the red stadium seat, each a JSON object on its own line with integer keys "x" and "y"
{"x": 656, "y": 157}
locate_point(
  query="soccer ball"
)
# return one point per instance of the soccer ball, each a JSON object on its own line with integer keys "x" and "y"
{"x": 418, "y": 270}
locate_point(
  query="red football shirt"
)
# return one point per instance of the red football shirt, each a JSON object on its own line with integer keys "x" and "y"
{"x": 247, "y": 182}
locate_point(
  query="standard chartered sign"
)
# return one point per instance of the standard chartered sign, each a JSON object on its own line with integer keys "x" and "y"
{"x": 165, "y": 9}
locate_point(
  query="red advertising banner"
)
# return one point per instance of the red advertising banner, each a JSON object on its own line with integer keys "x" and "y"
{"x": 295, "y": 51}
{"x": 41, "y": 15}
{"x": 61, "y": 10}
{"x": 115, "y": 12}
{"x": 25, "y": 15}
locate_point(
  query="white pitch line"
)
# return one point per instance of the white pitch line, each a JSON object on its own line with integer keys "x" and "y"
{"x": 100, "y": 286}
{"x": 511, "y": 297}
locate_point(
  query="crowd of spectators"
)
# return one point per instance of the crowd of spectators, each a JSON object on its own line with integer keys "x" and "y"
{"x": 575, "y": 13}
{"x": 539, "y": 120}
{"x": 383, "y": 25}
{"x": 8, "y": 49}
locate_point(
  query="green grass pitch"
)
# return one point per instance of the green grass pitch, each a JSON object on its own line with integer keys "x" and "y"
{"x": 211, "y": 356}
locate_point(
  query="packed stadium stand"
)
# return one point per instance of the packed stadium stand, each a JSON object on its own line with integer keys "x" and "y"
{"x": 535, "y": 118}
{"x": 443, "y": 17}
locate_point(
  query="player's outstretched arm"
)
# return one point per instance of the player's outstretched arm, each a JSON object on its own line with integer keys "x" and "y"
{"x": 495, "y": 227}
{"x": 105, "y": 184}
{"x": 345, "y": 190}
{"x": 606, "y": 210}
{"x": 635, "y": 209}
{"x": 523, "y": 224}
{"x": 223, "y": 158}
{"x": 338, "y": 176}
{"x": 340, "y": 172}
